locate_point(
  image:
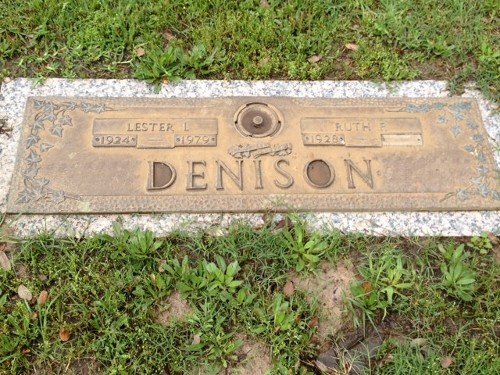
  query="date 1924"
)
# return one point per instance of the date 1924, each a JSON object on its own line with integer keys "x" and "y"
{"x": 110, "y": 140}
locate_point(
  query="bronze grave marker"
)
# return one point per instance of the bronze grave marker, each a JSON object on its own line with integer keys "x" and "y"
{"x": 249, "y": 154}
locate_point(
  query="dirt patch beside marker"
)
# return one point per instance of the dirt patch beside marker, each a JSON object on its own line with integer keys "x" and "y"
{"x": 178, "y": 310}
{"x": 329, "y": 286}
{"x": 254, "y": 357}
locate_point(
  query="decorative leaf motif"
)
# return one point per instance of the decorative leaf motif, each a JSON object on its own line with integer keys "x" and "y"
{"x": 44, "y": 147}
{"x": 38, "y": 125}
{"x": 100, "y": 108}
{"x": 88, "y": 107}
{"x": 50, "y": 116}
{"x": 39, "y": 183}
{"x": 24, "y": 197}
{"x": 463, "y": 106}
{"x": 37, "y": 194}
{"x": 442, "y": 119}
{"x": 57, "y": 197}
{"x": 478, "y": 138}
{"x": 66, "y": 121}
{"x": 463, "y": 195}
{"x": 418, "y": 108}
{"x": 37, "y": 187}
{"x": 31, "y": 171}
{"x": 456, "y": 130}
{"x": 50, "y": 107}
{"x": 70, "y": 105}
{"x": 481, "y": 157}
{"x": 33, "y": 157}
{"x": 32, "y": 140}
{"x": 57, "y": 130}
{"x": 472, "y": 125}
{"x": 483, "y": 190}
{"x": 39, "y": 104}
{"x": 482, "y": 170}
{"x": 478, "y": 180}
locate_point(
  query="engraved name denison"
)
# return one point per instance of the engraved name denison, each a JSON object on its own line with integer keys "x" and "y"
{"x": 199, "y": 174}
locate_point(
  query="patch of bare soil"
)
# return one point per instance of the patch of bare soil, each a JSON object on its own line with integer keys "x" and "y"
{"x": 178, "y": 310}
{"x": 329, "y": 286}
{"x": 84, "y": 366}
{"x": 254, "y": 358}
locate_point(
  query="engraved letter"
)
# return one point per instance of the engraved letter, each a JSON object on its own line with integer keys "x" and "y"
{"x": 288, "y": 176}
{"x": 192, "y": 175}
{"x": 258, "y": 174}
{"x": 366, "y": 177}
{"x": 238, "y": 179}
{"x": 161, "y": 175}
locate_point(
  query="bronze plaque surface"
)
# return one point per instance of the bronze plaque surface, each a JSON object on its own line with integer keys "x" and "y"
{"x": 248, "y": 154}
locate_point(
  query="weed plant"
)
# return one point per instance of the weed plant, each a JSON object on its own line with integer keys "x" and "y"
{"x": 105, "y": 294}
{"x": 253, "y": 39}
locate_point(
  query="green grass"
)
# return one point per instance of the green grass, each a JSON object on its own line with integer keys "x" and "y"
{"x": 106, "y": 293}
{"x": 166, "y": 40}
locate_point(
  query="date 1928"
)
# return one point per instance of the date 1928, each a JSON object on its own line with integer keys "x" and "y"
{"x": 323, "y": 139}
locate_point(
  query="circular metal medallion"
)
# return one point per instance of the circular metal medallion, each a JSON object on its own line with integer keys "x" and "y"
{"x": 257, "y": 120}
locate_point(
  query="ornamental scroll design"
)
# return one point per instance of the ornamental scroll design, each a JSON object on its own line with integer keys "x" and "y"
{"x": 51, "y": 120}
{"x": 454, "y": 116}
{"x": 257, "y": 150}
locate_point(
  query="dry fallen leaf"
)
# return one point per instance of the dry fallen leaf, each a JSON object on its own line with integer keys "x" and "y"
{"x": 387, "y": 359}
{"x": 168, "y": 36}
{"x": 314, "y": 59}
{"x": 24, "y": 293}
{"x": 34, "y": 316}
{"x": 140, "y": 52}
{"x": 264, "y": 61}
{"x": 64, "y": 335}
{"x": 161, "y": 265}
{"x": 367, "y": 286}
{"x": 322, "y": 367}
{"x": 5, "y": 262}
{"x": 42, "y": 298}
{"x": 446, "y": 361}
{"x": 264, "y": 4}
{"x": 314, "y": 322}
{"x": 281, "y": 224}
{"x": 316, "y": 340}
{"x": 196, "y": 340}
{"x": 493, "y": 238}
{"x": 351, "y": 46}
{"x": 288, "y": 289}
{"x": 418, "y": 342}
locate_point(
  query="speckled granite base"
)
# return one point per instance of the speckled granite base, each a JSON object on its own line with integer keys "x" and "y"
{"x": 13, "y": 97}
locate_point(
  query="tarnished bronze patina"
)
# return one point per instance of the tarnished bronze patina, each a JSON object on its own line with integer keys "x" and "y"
{"x": 243, "y": 154}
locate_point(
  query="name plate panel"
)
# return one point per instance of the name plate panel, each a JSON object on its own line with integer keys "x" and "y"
{"x": 252, "y": 154}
